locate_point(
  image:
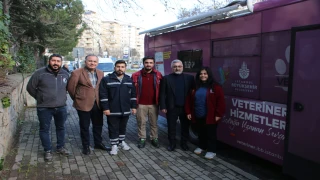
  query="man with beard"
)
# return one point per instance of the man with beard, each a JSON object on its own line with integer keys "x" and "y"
{"x": 48, "y": 86}
{"x": 117, "y": 97}
{"x": 173, "y": 91}
{"x": 83, "y": 88}
{"x": 147, "y": 84}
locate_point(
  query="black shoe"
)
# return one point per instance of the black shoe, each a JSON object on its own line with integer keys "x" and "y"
{"x": 155, "y": 143}
{"x": 184, "y": 146}
{"x": 171, "y": 147}
{"x": 48, "y": 156}
{"x": 86, "y": 150}
{"x": 141, "y": 143}
{"x": 102, "y": 147}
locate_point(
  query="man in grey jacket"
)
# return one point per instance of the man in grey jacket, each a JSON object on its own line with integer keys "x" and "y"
{"x": 48, "y": 85}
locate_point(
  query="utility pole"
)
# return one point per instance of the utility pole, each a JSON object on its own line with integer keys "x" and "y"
{"x": 78, "y": 58}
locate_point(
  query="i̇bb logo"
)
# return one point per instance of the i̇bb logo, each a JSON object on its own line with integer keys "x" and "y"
{"x": 244, "y": 71}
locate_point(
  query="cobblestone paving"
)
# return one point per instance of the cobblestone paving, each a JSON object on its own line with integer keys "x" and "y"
{"x": 147, "y": 163}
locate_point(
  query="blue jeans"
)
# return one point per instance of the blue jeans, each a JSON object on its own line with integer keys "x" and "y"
{"x": 45, "y": 116}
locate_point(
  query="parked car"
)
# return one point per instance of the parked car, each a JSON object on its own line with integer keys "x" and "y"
{"x": 106, "y": 65}
{"x": 135, "y": 65}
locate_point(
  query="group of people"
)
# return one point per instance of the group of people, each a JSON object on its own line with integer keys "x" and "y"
{"x": 179, "y": 96}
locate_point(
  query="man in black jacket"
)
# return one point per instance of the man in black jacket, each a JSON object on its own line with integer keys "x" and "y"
{"x": 48, "y": 86}
{"x": 173, "y": 91}
{"x": 66, "y": 68}
{"x": 117, "y": 97}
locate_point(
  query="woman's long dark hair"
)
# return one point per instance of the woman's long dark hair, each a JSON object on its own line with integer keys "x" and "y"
{"x": 209, "y": 83}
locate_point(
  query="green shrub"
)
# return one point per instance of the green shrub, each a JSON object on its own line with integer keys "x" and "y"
{"x": 25, "y": 58}
{"x": 6, "y": 102}
{"x": 6, "y": 62}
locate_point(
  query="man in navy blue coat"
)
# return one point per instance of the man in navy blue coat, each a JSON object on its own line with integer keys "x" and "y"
{"x": 117, "y": 97}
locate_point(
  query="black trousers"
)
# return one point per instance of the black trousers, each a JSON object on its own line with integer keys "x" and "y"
{"x": 96, "y": 117}
{"x": 172, "y": 116}
{"x": 207, "y": 134}
{"x": 117, "y": 126}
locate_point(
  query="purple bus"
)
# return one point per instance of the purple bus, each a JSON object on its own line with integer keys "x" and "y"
{"x": 265, "y": 58}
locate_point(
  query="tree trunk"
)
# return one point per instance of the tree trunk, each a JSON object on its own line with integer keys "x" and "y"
{"x": 6, "y": 6}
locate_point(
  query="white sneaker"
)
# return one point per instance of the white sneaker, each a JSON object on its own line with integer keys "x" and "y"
{"x": 198, "y": 151}
{"x": 210, "y": 155}
{"x": 124, "y": 146}
{"x": 114, "y": 150}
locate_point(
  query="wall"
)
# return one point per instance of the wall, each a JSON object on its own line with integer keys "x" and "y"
{"x": 15, "y": 88}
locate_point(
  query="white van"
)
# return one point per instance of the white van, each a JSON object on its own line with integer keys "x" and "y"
{"x": 106, "y": 65}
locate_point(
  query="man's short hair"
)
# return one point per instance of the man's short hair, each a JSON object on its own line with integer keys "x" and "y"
{"x": 89, "y": 56}
{"x": 148, "y": 57}
{"x": 55, "y": 55}
{"x": 120, "y": 62}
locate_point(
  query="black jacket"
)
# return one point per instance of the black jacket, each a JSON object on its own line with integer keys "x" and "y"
{"x": 66, "y": 69}
{"x": 167, "y": 90}
{"x": 116, "y": 96}
{"x": 48, "y": 89}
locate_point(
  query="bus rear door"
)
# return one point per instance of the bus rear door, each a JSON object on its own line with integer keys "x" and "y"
{"x": 302, "y": 147}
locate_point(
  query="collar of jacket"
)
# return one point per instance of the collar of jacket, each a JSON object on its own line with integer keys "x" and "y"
{"x": 114, "y": 76}
{"x": 144, "y": 72}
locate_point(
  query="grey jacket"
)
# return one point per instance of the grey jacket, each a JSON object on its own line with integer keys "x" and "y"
{"x": 48, "y": 89}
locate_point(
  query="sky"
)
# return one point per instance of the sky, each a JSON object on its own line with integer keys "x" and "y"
{"x": 147, "y": 13}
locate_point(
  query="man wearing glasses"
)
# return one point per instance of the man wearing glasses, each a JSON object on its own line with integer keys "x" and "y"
{"x": 173, "y": 91}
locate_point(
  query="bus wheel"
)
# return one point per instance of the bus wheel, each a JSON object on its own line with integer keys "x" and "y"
{"x": 193, "y": 135}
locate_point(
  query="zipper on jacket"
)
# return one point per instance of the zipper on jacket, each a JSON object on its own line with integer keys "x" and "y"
{"x": 119, "y": 92}
{"x": 56, "y": 91}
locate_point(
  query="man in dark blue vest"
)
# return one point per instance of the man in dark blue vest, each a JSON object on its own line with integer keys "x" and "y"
{"x": 118, "y": 100}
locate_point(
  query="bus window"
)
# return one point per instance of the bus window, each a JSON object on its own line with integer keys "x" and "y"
{"x": 191, "y": 59}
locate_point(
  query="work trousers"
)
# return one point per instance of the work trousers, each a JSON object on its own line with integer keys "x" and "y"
{"x": 144, "y": 113}
{"x": 117, "y": 126}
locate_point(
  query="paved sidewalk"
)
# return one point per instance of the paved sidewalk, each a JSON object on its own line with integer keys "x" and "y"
{"x": 147, "y": 163}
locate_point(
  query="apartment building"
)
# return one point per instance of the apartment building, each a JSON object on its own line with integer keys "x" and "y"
{"x": 91, "y": 37}
{"x": 118, "y": 39}
{"x": 130, "y": 38}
